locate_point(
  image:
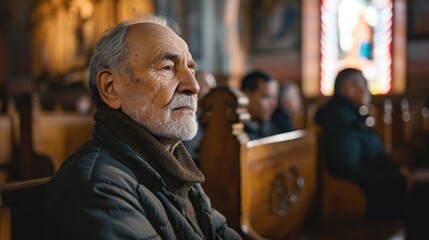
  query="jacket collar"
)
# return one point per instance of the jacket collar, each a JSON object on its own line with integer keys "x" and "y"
{"x": 177, "y": 169}
{"x": 145, "y": 173}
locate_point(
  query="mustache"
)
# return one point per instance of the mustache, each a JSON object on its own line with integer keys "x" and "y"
{"x": 183, "y": 100}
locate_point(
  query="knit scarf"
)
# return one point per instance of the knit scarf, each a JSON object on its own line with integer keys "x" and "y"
{"x": 176, "y": 168}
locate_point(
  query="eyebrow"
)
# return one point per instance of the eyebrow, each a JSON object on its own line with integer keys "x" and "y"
{"x": 167, "y": 56}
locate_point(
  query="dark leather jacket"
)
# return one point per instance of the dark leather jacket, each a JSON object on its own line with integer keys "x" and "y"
{"x": 106, "y": 191}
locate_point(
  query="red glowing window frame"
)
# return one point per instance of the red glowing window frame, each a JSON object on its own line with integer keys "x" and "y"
{"x": 321, "y": 62}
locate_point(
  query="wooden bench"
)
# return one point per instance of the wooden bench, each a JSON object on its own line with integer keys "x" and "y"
{"x": 6, "y": 144}
{"x": 266, "y": 187}
{"x": 339, "y": 199}
{"x": 276, "y": 187}
{"x": 58, "y": 134}
{"x": 34, "y": 143}
{"x": 20, "y": 209}
{"x": 341, "y": 209}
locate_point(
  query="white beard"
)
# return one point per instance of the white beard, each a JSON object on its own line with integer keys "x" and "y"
{"x": 161, "y": 122}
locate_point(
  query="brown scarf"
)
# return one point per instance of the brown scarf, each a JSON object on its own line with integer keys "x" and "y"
{"x": 177, "y": 169}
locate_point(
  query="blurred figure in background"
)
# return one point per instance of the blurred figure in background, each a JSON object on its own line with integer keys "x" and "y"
{"x": 206, "y": 81}
{"x": 84, "y": 104}
{"x": 290, "y": 106}
{"x": 262, "y": 92}
{"x": 355, "y": 152}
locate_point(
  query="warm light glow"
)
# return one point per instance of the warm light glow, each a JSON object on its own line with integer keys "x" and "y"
{"x": 329, "y": 43}
{"x": 357, "y": 34}
{"x": 237, "y": 61}
{"x": 64, "y": 32}
{"x": 310, "y": 48}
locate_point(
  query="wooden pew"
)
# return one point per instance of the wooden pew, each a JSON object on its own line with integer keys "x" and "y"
{"x": 400, "y": 123}
{"x": 5, "y": 223}
{"x": 6, "y": 138}
{"x": 342, "y": 203}
{"x": 6, "y": 145}
{"x": 20, "y": 204}
{"x": 21, "y": 129}
{"x": 58, "y": 134}
{"x": 266, "y": 188}
{"x": 53, "y": 135}
{"x": 9, "y": 136}
{"x": 340, "y": 199}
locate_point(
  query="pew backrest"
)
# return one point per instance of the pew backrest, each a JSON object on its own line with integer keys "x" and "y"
{"x": 59, "y": 134}
{"x": 6, "y": 142}
{"x": 54, "y": 135}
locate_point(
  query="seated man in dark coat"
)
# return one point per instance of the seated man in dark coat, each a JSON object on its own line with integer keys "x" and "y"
{"x": 135, "y": 179}
{"x": 262, "y": 92}
{"x": 354, "y": 151}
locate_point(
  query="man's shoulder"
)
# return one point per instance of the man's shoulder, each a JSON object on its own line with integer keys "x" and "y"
{"x": 94, "y": 185}
{"x": 335, "y": 116}
{"x": 89, "y": 156}
{"x": 94, "y": 163}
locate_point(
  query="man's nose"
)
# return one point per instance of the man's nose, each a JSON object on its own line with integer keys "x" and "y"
{"x": 188, "y": 84}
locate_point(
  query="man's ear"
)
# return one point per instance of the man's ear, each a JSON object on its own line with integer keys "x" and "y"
{"x": 106, "y": 82}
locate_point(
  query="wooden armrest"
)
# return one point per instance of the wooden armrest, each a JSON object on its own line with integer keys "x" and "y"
{"x": 21, "y": 209}
{"x": 23, "y": 194}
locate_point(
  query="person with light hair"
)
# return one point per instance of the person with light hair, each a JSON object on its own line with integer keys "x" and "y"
{"x": 135, "y": 179}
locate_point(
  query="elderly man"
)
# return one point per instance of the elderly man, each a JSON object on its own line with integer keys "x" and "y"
{"x": 135, "y": 179}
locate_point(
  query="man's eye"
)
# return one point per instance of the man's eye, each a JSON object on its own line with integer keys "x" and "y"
{"x": 168, "y": 68}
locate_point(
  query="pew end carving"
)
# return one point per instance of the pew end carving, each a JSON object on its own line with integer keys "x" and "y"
{"x": 278, "y": 184}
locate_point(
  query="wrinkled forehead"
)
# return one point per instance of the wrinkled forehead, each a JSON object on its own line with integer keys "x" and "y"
{"x": 151, "y": 31}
